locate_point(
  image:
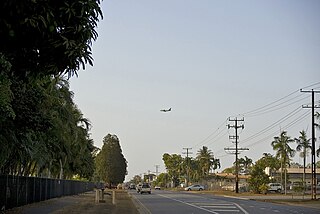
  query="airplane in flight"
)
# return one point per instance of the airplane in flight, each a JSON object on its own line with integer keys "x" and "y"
{"x": 165, "y": 110}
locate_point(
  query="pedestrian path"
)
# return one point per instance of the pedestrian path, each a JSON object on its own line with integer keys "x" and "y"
{"x": 82, "y": 203}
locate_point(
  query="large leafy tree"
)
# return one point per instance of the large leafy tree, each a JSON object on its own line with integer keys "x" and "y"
{"x": 174, "y": 166}
{"x": 258, "y": 178}
{"x": 48, "y": 37}
{"x": 48, "y": 135}
{"x": 111, "y": 165}
{"x": 303, "y": 147}
{"x": 42, "y": 130}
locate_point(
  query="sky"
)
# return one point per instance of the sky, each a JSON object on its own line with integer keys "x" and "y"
{"x": 208, "y": 60}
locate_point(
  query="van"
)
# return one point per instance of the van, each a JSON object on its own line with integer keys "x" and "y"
{"x": 274, "y": 187}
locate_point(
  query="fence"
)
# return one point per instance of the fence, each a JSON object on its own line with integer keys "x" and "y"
{"x": 19, "y": 190}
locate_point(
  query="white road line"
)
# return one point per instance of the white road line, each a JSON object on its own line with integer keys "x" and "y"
{"x": 227, "y": 210}
{"x": 210, "y": 203}
{"x": 229, "y": 196}
{"x": 243, "y": 210}
{"x": 192, "y": 205}
{"x": 214, "y": 206}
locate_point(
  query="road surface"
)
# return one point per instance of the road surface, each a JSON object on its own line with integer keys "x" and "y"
{"x": 197, "y": 203}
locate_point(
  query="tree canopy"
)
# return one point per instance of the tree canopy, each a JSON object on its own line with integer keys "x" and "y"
{"x": 111, "y": 165}
{"x": 48, "y": 37}
{"x": 43, "y": 132}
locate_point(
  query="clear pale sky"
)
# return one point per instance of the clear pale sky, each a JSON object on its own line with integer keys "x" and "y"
{"x": 208, "y": 60}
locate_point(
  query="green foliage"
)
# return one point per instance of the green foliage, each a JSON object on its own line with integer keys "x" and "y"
{"x": 245, "y": 165}
{"x": 43, "y": 133}
{"x": 136, "y": 179}
{"x": 229, "y": 170}
{"x": 111, "y": 165}
{"x": 48, "y": 37}
{"x": 206, "y": 161}
{"x": 162, "y": 179}
{"x": 269, "y": 160}
{"x": 6, "y": 95}
{"x": 179, "y": 168}
{"x": 281, "y": 145}
{"x": 298, "y": 187}
{"x": 263, "y": 188}
{"x": 174, "y": 166}
{"x": 258, "y": 178}
{"x": 47, "y": 136}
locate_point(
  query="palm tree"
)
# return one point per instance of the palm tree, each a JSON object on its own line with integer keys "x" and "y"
{"x": 245, "y": 163}
{"x": 284, "y": 152}
{"x": 303, "y": 147}
{"x": 207, "y": 161}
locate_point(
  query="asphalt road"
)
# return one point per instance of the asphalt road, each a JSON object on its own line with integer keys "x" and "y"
{"x": 197, "y": 203}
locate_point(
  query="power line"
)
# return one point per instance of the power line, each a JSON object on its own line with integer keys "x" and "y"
{"x": 209, "y": 137}
{"x": 292, "y": 113}
{"x": 268, "y": 110}
{"x": 278, "y": 100}
{"x": 277, "y": 131}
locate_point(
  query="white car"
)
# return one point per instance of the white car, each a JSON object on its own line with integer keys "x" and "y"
{"x": 275, "y": 187}
{"x": 145, "y": 188}
{"x": 196, "y": 187}
{"x": 157, "y": 188}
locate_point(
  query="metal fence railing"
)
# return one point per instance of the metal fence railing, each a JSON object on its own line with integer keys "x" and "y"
{"x": 17, "y": 191}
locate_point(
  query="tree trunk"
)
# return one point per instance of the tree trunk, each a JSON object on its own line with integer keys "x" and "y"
{"x": 304, "y": 170}
{"x": 61, "y": 169}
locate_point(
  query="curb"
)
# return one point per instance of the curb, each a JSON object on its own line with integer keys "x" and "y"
{"x": 140, "y": 207}
{"x": 228, "y": 196}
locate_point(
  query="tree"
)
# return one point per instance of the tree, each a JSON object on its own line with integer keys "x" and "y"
{"x": 206, "y": 161}
{"x": 303, "y": 147}
{"x": 270, "y": 161}
{"x": 111, "y": 165}
{"x": 136, "y": 179}
{"x": 162, "y": 180}
{"x": 258, "y": 178}
{"x": 48, "y": 136}
{"x": 245, "y": 164}
{"x": 48, "y": 37}
{"x": 42, "y": 130}
{"x": 284, "y": 151}
{"x": 174, "y": 166}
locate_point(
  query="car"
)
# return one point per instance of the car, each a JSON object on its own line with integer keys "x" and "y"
{"x": 157, "y": 188}
{"x": 274, "y": 187}
{"x": 196, "y": 187}
{"x": 132, "y": 186}
{"x": 145, "y": 188}
{"x": 138, "y": 187}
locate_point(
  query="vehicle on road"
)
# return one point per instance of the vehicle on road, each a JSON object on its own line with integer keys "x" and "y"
{"x": 274, "y": 187}
{"x": 145, "y": 188}
{"x": 157, "y": 188}
{"x": 138, "y": 187}
{"x": 195, "y": 187}
{"x": 132, "y": 186}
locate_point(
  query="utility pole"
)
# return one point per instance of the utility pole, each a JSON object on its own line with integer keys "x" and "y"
{"x": 236, "y": 137}
{"x": 157, "y": 169}
{"x": 187, "y": 153}
{"x": 313, "y": 145}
